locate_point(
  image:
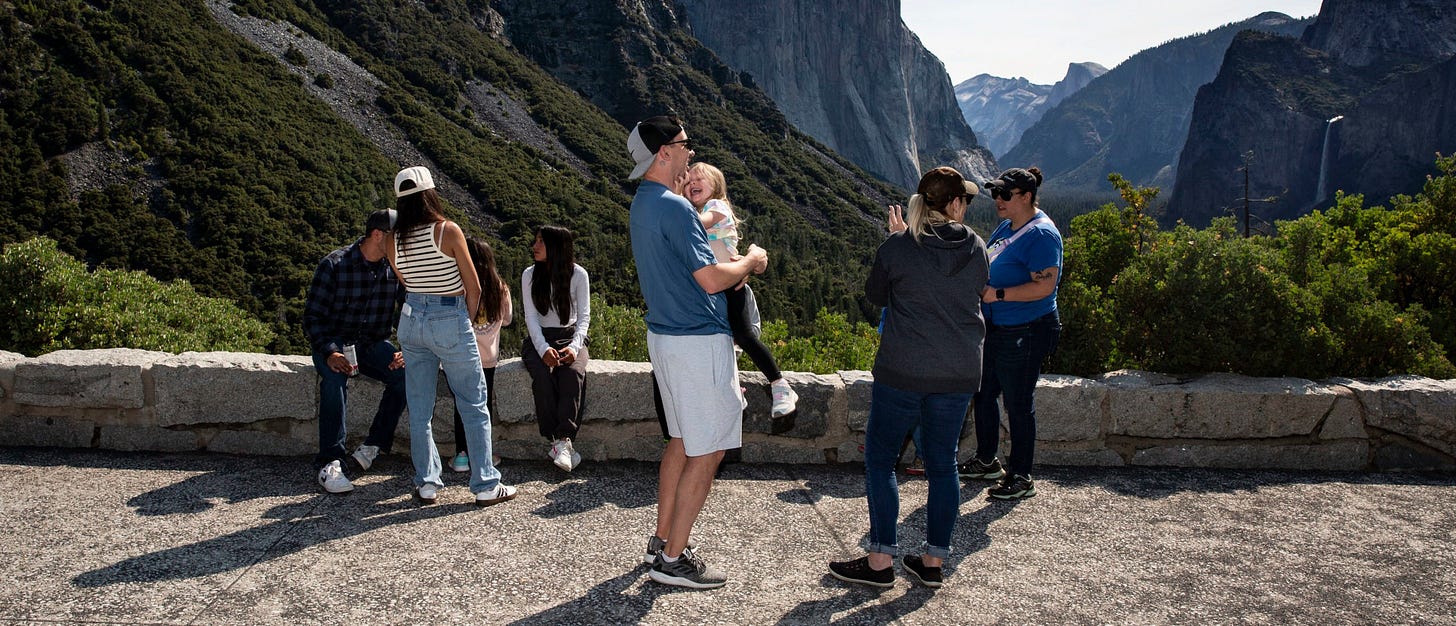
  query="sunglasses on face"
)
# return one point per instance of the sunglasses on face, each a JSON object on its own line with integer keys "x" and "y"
{"x": 686, "y": 143}
{"x": 1004, "y": 193}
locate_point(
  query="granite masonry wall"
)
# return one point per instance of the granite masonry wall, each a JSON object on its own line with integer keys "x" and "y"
{"x": 123, "y": 399}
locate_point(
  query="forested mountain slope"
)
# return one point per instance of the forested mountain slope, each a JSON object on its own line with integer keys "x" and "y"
{"x": 235, "y": 145}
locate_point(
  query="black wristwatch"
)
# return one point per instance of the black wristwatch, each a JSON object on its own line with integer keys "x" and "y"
{"x": 1000, "y": 295}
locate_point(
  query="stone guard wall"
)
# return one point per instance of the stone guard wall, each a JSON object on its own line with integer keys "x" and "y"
{"x": 124, "y": 399}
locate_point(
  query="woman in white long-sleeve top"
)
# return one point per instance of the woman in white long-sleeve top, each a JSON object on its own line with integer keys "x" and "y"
{"x": 556, "y": 298}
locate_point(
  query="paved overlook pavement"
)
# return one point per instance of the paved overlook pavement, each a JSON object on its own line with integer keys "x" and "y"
{"x": 146, "y": 538}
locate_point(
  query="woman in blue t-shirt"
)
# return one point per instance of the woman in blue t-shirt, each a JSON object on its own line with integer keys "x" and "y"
{"x": 1022, "y": 328}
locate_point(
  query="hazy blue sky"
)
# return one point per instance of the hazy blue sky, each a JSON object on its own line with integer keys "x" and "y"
{"x": 1038, "y": 39}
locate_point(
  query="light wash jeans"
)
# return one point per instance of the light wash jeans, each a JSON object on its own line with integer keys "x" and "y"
{"x": 894, "y": 413}
{"x": 435, "y": 334}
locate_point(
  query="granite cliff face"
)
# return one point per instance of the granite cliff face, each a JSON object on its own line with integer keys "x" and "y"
{"x": 1362, "y": 32}
{"x": 1361, "y": 103}
{"x": 1078, "y": 76}
{"x": 850, "y": 75}
{"x": 1133, "y": 119}
{"x": 1000, "y": 109}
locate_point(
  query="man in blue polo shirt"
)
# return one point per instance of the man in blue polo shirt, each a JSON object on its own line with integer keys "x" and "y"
{"x": 689, "y": 342}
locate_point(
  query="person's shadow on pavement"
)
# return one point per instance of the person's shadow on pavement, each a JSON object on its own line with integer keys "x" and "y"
{"x": 607, "y": 602}
{"x": 839, "y": 482}
{"x": 819, "y": 611}
{"x": 296, "y": 526}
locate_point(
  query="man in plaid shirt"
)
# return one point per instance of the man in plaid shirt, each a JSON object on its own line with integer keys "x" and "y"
{"x": 354, "y": 303}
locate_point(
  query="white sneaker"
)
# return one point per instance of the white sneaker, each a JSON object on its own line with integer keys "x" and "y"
{"x": 461, "y": 462}
{"x": 332, "y": 478}
{"x": 785, "y": 401}
{"x": 501, "y": 493}
{"x": 365, "y": 455}
{"x": 555, "y": 450}
{"x": 427, "y": 493}
{"x": 562, "y": 454}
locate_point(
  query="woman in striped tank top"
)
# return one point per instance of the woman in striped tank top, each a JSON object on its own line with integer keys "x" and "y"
{"x": 430, "y": 257}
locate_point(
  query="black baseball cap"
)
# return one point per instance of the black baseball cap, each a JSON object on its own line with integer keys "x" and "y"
{"x": 1015, "y": 178}
{"x": 647, "y": 138}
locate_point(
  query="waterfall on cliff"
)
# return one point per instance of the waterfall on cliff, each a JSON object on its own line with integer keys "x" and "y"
{"x": 1327, "y": 154}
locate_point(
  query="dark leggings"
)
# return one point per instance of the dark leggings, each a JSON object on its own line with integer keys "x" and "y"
{"x": 744, "y": 337}
{"x": 489, "y": 405}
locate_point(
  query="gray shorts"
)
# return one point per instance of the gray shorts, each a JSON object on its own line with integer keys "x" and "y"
{"x": 698, "y": 378}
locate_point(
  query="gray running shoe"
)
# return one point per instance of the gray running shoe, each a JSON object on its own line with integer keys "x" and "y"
{"x": 656, "y": 545}
{"x": 688, "y": 571}
{"x": 974, "y": 468}
{"x": 1013, "y": 487}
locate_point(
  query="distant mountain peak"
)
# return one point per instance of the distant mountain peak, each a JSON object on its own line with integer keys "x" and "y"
{"x": 1000, "y": 109}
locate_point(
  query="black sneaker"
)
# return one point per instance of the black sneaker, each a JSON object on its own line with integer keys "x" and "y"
{"x": 927, "y": 575}
{"x": 859, "y": 571}
{"x": 687, "y": 571}
{"x": 1013, "y": 487}
{"x": 974, "y": 468}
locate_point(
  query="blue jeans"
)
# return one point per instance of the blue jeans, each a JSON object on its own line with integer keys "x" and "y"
{"x": 893, "y": 415}
{"x": 374, "y": 359}
{"x": 1010, "y": 368}
{"x": 435, "y": 334}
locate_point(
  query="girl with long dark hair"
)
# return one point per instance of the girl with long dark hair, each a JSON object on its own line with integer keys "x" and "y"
{"x": 556, "y": 294}
{"x": 494, "y": 313}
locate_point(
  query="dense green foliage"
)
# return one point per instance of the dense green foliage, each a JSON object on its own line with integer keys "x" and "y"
{"x": 233, "y": 178}
{"x": 620, "y": 333}
{"x": 836, "y": 344}
{"x": 1354, "y": 291}
{"x": 617, "y": 333}
{"x": 145, "y": 135}
{"x": 51, "y": 302}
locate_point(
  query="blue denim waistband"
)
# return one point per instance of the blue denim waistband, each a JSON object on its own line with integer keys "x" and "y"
{"x": 425, "y": 299}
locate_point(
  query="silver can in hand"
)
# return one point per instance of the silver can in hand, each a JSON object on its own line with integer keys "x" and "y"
{"x": 352, "y": 356}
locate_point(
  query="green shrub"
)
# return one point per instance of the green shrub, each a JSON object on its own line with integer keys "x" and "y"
{"x": 617, "y": 333}
{"x": 295, "y": 56}
{"x": 50, "y": 302}
{"x": 835, "y": 344}
{"x": 1209, "y": 301}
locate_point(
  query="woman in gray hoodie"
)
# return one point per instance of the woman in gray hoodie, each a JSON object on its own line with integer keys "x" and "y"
{"x": 930, "y": 277}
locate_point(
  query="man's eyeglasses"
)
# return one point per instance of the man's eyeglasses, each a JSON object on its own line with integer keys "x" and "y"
{"x": 1004, "y": 193}
{"x": 686, "y": 143}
